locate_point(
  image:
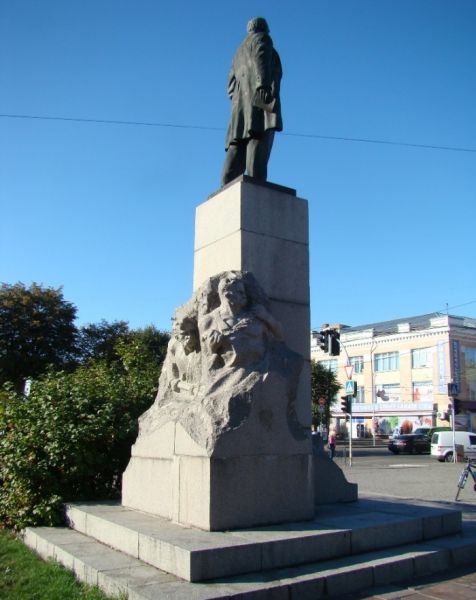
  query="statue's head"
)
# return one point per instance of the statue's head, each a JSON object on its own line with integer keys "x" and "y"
{"x": 188, "y": 333}
{"x": 232, "y": 289}
{"x": 257, "y": 24}
{"x": 185, "y": 327}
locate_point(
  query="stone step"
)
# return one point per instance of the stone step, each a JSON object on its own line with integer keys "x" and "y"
{"x": 196, "y": 555}
{"x": 118, "y": 573}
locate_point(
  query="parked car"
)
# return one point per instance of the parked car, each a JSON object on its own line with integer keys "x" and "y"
{"x": 413, "y": 443}
{"x": 442, "y": 444}
{"x": 429, "y": 431}
{"x": 423, "y": 430}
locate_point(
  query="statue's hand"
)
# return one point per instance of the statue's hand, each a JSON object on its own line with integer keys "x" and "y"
{"x": 214, "y": 339}
{"x": 265, "y": 94}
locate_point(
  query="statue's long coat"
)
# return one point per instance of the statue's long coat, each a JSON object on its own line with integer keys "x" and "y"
{"x": 255, "y": 64}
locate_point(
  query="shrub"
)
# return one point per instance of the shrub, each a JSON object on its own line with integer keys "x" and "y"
{"x": 70, "y": 439}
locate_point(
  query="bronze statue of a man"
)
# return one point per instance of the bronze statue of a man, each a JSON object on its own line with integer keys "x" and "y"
{"x": 253, "y": 86}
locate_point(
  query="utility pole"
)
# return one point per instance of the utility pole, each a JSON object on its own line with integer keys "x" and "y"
{"x": 453, "y": 409}
{"x": 346, "y": 407}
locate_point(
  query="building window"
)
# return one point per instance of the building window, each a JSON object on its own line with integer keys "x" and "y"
{"x": 421, "y": 357}
{"x": 330, "y": 365}
{"x": 360, "y": 394}
{"x": 358, "y": 363}
{"x": 422, "y": 391}
{"x": 388, "y": 392}
{"x": 470, "y": 371}
{"x": 469, "y": 356}
{"x": 387, "y": 361}
{"x": 472, "y": 391}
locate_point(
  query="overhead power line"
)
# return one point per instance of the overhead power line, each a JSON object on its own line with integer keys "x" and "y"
{"x": 211, "y": 128}
{"x": 446, "y": 310}
{"x": 111, "y": 122}
{"x": 387, "y": 142}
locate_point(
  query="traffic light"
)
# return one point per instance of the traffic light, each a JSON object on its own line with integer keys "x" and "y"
{"x": 346, "y": 404}
{"x": 334, "y": 343}
{"x": 324, "y": 341}
{"x": 456, "y": 406}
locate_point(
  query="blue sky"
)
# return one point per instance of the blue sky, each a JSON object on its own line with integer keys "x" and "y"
{"x": 107, "y": 210}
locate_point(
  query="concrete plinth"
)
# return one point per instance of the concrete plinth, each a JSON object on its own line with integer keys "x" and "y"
{"x": 261, "y": 471}
{"x": 222, "y": 494}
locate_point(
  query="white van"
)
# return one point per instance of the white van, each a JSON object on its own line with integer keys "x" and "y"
{"x": 442, "y": 444}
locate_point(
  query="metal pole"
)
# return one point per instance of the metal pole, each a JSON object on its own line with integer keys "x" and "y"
{"x": 373, "y": 424}
{"x": 350, "y": 430}
{"x": 453, "y": 427}
{"x": 372, "y": 396}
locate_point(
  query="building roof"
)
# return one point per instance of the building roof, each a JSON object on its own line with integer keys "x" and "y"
{"x": 416, "y": 323}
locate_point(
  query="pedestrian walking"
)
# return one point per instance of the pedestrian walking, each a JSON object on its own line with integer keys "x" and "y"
{"x": 331, "y": 443}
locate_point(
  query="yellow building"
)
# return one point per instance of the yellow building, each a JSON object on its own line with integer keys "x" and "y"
{"x": 402, "y": 369}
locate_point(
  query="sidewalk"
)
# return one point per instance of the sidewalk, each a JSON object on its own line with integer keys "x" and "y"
{"x": 459, "y": 585}
{"x": 433, "y": 482}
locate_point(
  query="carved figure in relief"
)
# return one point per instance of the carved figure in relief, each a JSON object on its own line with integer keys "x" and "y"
{"x": 235, "y": 333}
{"x": 225, "y": 344}
{"x": 182, "y": 364}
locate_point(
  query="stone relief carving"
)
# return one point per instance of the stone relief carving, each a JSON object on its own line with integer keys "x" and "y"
{"x": 225, "y": 345}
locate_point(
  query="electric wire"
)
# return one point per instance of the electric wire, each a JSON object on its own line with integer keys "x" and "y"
{"x": 212, "y": 128}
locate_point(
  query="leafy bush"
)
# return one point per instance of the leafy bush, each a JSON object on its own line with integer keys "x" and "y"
{"x": 70, "y": 439}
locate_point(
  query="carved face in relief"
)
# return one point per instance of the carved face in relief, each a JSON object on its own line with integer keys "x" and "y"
{"x": 188, "y": 334}
{"x": 233, "y": 291}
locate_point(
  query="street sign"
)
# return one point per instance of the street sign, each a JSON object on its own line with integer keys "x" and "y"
{"x": 349, "y": 370}
{"x": 453, "y": 389}
{"x": 321, "y": 409}
{"x": 349, "y": 387}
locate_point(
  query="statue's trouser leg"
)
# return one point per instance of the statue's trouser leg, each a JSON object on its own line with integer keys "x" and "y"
{"x": 257, "y": 155}
{"x": 235, "y": 161}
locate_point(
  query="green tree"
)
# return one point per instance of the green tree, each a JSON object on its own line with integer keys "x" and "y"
{"x": 324, "y": 384}
{"x": 98, "y": 340}
{"x": 36, "y": 330}
{"x": 141, "y": 355}
{"x": 70, "y": 439}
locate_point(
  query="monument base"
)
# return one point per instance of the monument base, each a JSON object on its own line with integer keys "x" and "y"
{"x": 218, "y": 494}
{"x": 227, "y": 443}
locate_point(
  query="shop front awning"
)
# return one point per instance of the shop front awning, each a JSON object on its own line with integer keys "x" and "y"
{"x": 388, "y": 409}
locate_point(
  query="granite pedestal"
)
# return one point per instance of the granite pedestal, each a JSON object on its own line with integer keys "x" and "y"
{"x": 260, "y": 473}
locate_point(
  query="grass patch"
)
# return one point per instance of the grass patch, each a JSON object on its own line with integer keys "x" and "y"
{"x": 25, "y": 576}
